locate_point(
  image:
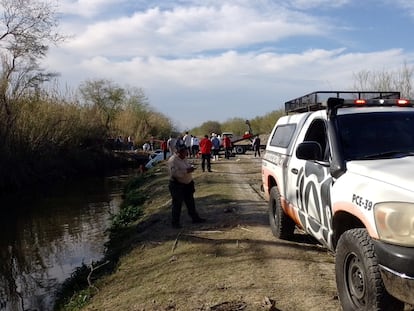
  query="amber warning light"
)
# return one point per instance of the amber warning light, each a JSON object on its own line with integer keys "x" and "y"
{"x": 360, "y": 102}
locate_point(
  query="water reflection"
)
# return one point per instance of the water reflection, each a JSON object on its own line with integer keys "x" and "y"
{"x": 43, "y": 240}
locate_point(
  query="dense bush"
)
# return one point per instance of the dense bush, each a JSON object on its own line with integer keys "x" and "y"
{"x": 45, "y": 138}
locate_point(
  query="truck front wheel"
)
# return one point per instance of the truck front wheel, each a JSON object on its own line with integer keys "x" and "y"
{"x": 281, "y": 224}
{"x": 358, "y": 277}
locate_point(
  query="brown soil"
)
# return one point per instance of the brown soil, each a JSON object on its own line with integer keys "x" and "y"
{"x": 231, "y": 262}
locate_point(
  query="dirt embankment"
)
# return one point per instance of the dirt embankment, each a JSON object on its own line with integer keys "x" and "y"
{"x": 232, "y": 262}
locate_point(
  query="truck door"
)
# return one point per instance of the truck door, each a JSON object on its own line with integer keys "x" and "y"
{"x": 309, "y": 182}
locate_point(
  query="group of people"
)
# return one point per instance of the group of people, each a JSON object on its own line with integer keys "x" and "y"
{"x": 194, "y": 145}
{"x": 189, "y": 141}
{"x": 195, "y": 148}
{"x": 120, "y": 143}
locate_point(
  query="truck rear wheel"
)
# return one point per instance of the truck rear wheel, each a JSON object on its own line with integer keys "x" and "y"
{"x": 358, "y": 277}
{"x": 281, "y": 224}
{"x": 240, "y": 149}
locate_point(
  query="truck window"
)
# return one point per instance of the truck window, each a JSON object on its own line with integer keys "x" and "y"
{"x": 317, "y": 132}
{"x": 283, "y": 135}
{"x": 366, "y": 135}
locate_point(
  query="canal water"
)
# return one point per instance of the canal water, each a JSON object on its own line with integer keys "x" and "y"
{"x": 44, "y": 238}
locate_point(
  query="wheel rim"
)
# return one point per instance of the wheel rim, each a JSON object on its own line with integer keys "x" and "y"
{"x": 355, "y": 279}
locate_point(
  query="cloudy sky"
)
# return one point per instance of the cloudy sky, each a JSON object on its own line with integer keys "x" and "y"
{"x": 212, "y": 60}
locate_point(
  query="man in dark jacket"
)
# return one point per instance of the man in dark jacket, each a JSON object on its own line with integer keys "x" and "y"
{"x": 256, "y": 145}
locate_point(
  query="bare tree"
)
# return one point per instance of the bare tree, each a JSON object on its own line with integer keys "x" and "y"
{"x": 361, "y": 80}
{"x": 27, "y": 27}
{"x": 400, "y": 80}
{"x": 404, "y": 80}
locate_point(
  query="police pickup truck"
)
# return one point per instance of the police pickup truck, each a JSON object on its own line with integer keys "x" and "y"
{"x": 340, "y": 166}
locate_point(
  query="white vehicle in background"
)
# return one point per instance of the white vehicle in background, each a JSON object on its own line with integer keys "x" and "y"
{"x": 155, "y": 157}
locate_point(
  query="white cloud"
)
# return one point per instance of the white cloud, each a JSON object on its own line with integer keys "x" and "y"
{"x": 405, "y": 4}
{"x": 184, "y": 31}
{"x": 310, "y": 4}
{"x": 233, "y": 69}
{"x": 87, "y": 8}
{"x": 212, "y": 60}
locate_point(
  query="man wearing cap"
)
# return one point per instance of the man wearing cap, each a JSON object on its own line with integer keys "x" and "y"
{"x": 181, "y": 186}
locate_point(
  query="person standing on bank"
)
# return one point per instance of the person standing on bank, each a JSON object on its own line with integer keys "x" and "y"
{"x": 181, "y": 186}
{"x": 216, "y": 146}
{"x": 187, "y": 141}
{"x": 164, "y": 148}
{"x": 195, "y": 146}
{"x": 205, "y": 148}
{"x": 256, "y": 145}
{"x": 171, "y": 144}
{"x": 227, "y": 146}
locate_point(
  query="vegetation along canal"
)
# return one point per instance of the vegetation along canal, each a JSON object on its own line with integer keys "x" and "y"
{"x": 44, "y": 240}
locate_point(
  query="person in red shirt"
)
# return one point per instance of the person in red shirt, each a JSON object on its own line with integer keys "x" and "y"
{"x": 227, "y": 146}
{"x": 205, "y": 149}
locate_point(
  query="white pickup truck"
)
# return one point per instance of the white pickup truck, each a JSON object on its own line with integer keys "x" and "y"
{"x": 340, "y": 166}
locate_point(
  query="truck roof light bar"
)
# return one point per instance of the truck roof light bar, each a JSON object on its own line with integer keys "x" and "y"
{"x": 333, "y": 104}
{"x": 318, "y": 100}
{"x": 374, "y": 102}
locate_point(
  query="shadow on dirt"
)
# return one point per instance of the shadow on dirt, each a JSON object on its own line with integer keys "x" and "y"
{"x": 222, "y": 216}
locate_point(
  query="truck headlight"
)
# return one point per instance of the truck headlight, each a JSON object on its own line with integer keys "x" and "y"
{"x": 395, "y": 222}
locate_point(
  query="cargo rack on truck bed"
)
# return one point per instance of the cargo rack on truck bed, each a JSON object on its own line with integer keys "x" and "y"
{"x": 317, "y": 100}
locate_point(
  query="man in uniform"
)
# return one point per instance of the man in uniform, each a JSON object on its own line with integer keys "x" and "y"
{"x": 181, "y": 186}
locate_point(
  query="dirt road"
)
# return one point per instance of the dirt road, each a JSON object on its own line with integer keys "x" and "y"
{"x": 296, "y": 275}
{"x": 232, "y": 262}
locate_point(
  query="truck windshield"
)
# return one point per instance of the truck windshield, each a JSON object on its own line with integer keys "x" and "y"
{"x": 376, "y": 135}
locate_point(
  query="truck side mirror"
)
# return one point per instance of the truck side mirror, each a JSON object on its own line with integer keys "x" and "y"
{"x": 309, "y": 150}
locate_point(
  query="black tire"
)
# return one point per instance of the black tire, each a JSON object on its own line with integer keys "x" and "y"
{"x": 281, "y": 224}
{"x": 358, "y": 278}
{"x": 240, "y": 150}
